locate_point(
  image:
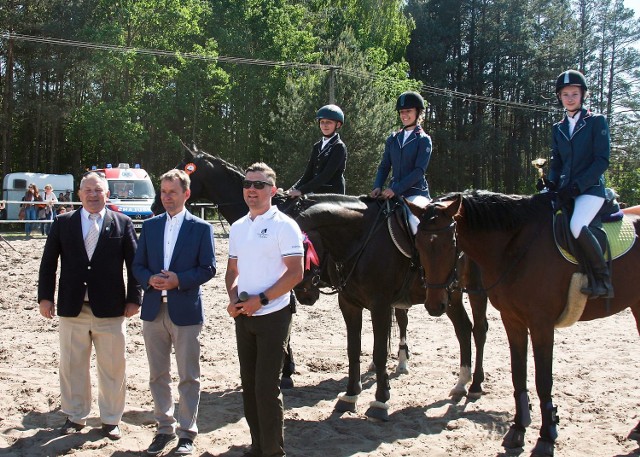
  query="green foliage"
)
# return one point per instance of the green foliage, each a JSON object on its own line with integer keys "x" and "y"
{"x": 105, "y": 131}
{"x": 486, "y": 68}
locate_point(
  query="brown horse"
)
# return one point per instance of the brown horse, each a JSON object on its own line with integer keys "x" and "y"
{"x": 527, "y": 280}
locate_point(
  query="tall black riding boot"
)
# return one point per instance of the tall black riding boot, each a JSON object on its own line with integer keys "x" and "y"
{"x": 593, "y": 255}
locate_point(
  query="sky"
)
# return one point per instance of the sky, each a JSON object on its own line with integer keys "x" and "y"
{"x": 635, "y": 4}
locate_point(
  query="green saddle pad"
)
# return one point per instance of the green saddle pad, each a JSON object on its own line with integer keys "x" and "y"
{"x": 621, "y": 236}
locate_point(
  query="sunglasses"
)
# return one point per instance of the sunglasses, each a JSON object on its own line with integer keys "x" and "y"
{"x": 259, "y": 185}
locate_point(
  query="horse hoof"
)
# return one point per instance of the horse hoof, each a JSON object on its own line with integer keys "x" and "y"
{"x": 514, "y": 438}
{"x": 543, "y": 449}
{"x": 402, "y": 368}
{"x": 458, "y": 392}
{"x": 346, "y": 404}
{"x": 378, "y": 411}
{"x": 286, "y": 383}
{"x": 474, "y": 395}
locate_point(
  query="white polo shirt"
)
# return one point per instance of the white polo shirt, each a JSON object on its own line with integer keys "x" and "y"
{"x": 260, "y": 246}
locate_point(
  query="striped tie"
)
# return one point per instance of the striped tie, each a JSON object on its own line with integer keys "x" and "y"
{"x": 91, "y": 240}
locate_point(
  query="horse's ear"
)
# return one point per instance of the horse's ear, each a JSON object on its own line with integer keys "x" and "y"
{"x": 416, "y": 210}
{"x": 452, "y": 207}
{"x": 190, "y": 153}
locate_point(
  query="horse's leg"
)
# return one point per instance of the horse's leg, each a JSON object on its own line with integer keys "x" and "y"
{"x": 542, "y": 342}
{"x": 462, "y": 326}
{"x": 381, "y": 322}
{"x": 517, "y": 336}
{"x": 635, "y": 433}
{"x": 402, "y": 318}
{"x": 480, "y": 328}
{"x": 353, "y": 319}
{"x": 288, "y": 368}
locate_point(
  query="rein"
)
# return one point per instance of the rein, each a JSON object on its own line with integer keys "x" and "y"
{"x": 343, "y": 280}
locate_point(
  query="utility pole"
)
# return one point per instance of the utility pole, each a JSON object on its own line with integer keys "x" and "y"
{"x": 332, "y": 85}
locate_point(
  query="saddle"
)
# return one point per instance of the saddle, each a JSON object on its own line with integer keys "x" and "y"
{"x": 404, "y": 240}
{"x": 615, "y": 234}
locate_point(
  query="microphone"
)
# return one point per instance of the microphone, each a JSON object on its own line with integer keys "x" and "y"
{"x": 243, "y": 296}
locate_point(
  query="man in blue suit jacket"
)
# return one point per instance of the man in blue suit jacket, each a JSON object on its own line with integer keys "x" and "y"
{"x": 175, "y": 257}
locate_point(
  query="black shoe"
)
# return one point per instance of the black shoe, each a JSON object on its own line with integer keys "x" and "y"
{"x": 111, "y": 431}
{"x": 69, "y": 428}
{"x": 184, "y": 447}
{"x": 159, "y": 442}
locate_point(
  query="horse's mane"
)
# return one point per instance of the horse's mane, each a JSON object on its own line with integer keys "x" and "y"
{"x": 217, "y": 161}
{"x": 483, "y": 210}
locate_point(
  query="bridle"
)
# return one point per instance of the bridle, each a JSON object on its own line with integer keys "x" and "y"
{"x": 451, "y": 283}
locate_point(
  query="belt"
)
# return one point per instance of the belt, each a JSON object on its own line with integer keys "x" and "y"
{"x": 86, "y": 303}
{"x": 164, "y": 299}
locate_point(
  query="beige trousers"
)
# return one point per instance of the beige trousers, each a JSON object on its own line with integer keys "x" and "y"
{"x": 159, "y": 335}
{"x": 108, "y": 336}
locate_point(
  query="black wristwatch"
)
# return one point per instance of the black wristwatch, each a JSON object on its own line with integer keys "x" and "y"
{"x": 264, "y": 301}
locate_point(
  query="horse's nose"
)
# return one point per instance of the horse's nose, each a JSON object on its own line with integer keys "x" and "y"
{"x": 435, "y": 305}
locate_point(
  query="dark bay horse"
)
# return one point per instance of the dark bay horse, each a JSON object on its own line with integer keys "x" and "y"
{"x": 353, "y": 232}
{"x": 220, "y": 182}
{"x": 510, "y": 237}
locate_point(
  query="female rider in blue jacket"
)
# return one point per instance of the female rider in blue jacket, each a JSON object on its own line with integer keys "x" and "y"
{"x": 579, "y": 158}
{"x": 407, "y": 152}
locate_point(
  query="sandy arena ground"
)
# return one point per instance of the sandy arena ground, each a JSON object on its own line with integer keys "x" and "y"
{"x": 597, "y": 370}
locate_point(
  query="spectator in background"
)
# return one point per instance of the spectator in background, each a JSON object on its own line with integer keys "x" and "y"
{"x": 31, "y": 211}
{"x": 50, "y": 199}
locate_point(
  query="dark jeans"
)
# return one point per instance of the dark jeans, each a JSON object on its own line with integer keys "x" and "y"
{"x": 262, "y": 342}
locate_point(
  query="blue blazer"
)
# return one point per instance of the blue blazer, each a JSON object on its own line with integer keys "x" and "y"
{"x": 583, "y": 157}
{"x": 193, "y": 261}
{"x": 409, "y": 162}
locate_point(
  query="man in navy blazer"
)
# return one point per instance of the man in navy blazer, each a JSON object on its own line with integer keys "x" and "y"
{"x": 92, "y": 303}
{"x": 175, "y": 257}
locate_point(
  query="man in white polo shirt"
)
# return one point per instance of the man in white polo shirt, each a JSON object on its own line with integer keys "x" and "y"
{"x": 265, "y": 262}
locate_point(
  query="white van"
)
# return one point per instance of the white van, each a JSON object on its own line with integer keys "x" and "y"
{"x": 14, "y": 186}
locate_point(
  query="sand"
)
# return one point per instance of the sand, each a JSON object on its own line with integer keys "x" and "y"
{"x": 597, "y": 369}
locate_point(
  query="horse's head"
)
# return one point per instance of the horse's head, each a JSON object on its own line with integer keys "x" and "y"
{"x": 436, "y": 244}
{"x": 187, "y": 164}
{"x": 193, "y": 163}
{"x": 308, "y": 290}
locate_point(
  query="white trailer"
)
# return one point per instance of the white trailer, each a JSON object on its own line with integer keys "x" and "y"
{"x": 14, "y": 186}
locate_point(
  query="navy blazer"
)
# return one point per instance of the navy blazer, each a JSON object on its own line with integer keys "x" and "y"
{"x": 324, "y": 173}
{"x": 101, "y": 277}
{"x": 193, "y": 260}
{"x": 583, "y": 157}
{"x": 409, "y": 162}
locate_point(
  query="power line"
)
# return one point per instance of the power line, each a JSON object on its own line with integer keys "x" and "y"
{"x": 282, "y": 64}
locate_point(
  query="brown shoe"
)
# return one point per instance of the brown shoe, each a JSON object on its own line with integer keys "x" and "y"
{"x": 111, "y": 431}
{"x": 69, "y": 428}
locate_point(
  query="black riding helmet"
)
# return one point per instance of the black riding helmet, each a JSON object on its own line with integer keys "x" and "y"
{"x": 332, "y": 112}
{"x": 571, "y": 78}
{"x": 410, "y": 99}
